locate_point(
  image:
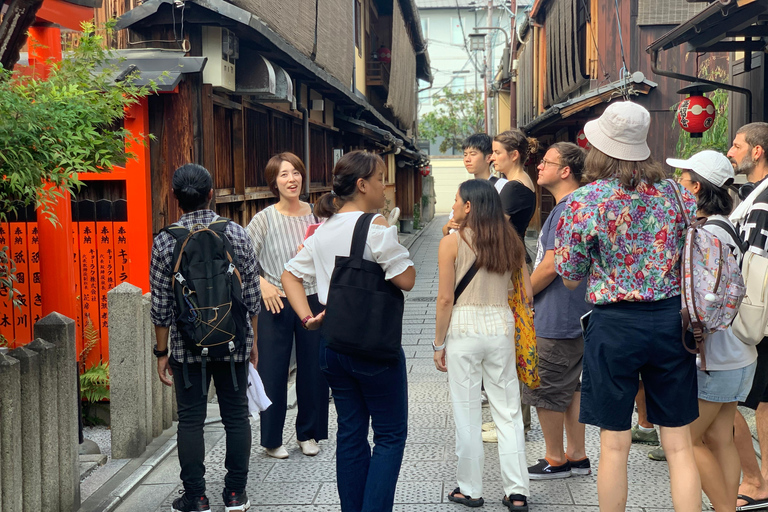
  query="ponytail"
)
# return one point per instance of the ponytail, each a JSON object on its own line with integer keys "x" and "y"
{"x": 350, "y": 168}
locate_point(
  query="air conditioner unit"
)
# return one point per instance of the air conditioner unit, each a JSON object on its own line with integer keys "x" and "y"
{"x": 222, "y": 48}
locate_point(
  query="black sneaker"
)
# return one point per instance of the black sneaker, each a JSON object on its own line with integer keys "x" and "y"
{"x": 235, "y": 501}
{"x": 545, "y": 471}
{"x": 187, "y": 504}
{"x": 581, "y": 467}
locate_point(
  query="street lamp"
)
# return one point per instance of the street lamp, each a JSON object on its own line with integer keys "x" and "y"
{"x": 477, "y": 41}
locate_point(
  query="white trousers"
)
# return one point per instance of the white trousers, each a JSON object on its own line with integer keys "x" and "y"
{"x": 477, "y": 356}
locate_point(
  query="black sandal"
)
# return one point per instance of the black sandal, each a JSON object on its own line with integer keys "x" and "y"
{"x": 509, "y": 503}
{"x": 465, "y": 499}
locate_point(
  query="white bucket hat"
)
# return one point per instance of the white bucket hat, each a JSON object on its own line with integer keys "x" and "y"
{"x": 711, "y": 165}
{"x": 621, "y": 131}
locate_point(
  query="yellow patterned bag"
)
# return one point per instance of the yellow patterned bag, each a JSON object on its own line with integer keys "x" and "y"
{"x": 525, "y": 335}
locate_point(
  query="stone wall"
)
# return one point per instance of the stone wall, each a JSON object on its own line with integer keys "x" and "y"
{"x": 39, "y": 421}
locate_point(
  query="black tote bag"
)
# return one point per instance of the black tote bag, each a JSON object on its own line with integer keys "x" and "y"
{"x": 364, "y": 312}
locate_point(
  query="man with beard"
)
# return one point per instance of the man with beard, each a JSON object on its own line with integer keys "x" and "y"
{"x": 748, "y": 156}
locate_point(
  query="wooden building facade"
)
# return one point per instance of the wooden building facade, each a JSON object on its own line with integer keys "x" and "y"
{"x": 575, "y": 56}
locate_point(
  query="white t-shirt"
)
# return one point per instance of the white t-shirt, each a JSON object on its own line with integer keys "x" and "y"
{"x": 723, "y": 349}
{"x": 334, "y": 238}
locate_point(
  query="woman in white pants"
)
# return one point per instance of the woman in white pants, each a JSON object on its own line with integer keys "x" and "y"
{"x": 474, "y": 341}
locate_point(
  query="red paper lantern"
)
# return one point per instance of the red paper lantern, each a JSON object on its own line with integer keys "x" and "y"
{"x": 426, "y": 170}
{"x": 696, "y": 114}
{"x": 385, "y": 54}
{"x": 581, "y": 140}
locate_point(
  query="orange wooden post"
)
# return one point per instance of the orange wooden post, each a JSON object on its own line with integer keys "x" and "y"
{"x": 139, "y": 196}
{"x": 57, "y": 280}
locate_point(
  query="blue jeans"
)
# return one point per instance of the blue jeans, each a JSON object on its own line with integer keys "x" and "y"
{"x": 366, "y": 391}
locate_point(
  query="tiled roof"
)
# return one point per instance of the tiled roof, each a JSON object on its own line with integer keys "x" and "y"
{"x": 666, "y": 12}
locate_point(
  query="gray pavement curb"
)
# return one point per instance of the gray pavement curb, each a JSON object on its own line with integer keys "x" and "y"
{"x": 116, "y": 489}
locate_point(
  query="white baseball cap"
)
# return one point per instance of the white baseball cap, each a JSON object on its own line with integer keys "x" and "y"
{"x": 711, "y": 165}
{"x": 621, "y": 131}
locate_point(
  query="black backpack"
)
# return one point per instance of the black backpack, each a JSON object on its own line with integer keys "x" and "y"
{"x": 208, "y": 294}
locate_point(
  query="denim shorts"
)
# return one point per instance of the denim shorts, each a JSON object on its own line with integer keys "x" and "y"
{"x": 724, "y": 386}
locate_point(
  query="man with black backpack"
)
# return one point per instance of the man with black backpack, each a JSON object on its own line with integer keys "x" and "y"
{"x": 205, "y": 288}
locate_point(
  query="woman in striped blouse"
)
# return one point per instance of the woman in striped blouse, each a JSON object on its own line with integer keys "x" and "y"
{"x": 276, "y": 233}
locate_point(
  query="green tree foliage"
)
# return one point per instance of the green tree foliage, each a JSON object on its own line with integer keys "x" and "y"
{"x": 68, "y": 123}
{"x": 457, "y": 116}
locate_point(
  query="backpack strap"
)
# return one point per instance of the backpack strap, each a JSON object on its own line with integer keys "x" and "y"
{"x": 464, "y": 282}
{"x": 737, "y": 241}
{"x": 219, "y": 226}
{"x": 680, "y": 202}
{"x": 177, "y": 231}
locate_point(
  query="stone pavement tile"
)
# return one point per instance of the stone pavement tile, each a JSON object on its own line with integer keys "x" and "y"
{"x": 283, "y": 493}
{"x": 303, "y": 471}
{"x": 167, "y": 472}
{"x": 256, "y": 472}
{"x": 328, "y": 494}
{"x": 423, "y": 452}
{"x": 428, "y": 377}
{"x": 427, "y": 421}
{"x": 145, "y": 497}
{"x": 294, "y": 508}
{"x": 444, "y": 471}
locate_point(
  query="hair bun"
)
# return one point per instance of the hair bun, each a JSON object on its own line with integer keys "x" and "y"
{"x": 533, "y": 145}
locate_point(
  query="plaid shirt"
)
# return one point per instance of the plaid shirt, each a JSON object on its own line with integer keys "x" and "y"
{"x": 160, "y": 275}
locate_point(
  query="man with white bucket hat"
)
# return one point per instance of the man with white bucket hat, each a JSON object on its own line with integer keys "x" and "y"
{"x": 623, "y": 233}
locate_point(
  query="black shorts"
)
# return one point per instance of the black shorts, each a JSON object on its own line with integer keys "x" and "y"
{"x": 627, "y": 340}
{"x": 759, "y": 391}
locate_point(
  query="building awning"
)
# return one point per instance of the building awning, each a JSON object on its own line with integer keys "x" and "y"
{"x": 724, "y": 18}
{"x": 637, "y": 84}
{"x": 163, "y": 67}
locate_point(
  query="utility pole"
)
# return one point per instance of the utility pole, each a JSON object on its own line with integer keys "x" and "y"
{"x": 487, "y": 70}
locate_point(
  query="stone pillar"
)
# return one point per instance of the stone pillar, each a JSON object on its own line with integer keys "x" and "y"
{"x": 60, "y": 330}
{"x": 155, "y": 387}
{"x": 49, "y": 424}
{"x": 10, "y": 434}
{"x": 150, "y": 367}
{"x": 127, "y": 407}
{"x": 30, "y": 427}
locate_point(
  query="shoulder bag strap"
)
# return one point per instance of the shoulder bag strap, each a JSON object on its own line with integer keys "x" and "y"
{"x": 464, "y": 282}
{"x": 738, "y": 242}
{"x": 680, "y": 202}
{"x": 359, "y": 237}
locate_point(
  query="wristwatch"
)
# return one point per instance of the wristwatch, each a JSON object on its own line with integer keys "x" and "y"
{"x": 160, "y": 353}
{"x": 438, "y": 347}
{"x": 305, "y": 320}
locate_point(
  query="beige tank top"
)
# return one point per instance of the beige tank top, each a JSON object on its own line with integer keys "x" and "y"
{"x": 486, "y": 288}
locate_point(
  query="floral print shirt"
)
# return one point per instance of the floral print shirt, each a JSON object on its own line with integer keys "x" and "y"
{"x": 626, "y": 242}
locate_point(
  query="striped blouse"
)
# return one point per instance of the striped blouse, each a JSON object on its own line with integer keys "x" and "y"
{"x": 276, "y": 239}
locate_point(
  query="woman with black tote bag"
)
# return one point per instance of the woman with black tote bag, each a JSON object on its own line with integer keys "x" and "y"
{"x": 360, "y": 269}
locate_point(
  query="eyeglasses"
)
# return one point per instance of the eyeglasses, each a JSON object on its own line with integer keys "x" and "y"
{"x": 547, "y": 162}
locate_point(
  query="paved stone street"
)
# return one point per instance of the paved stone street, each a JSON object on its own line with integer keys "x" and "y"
{"x": 302, "y": 483}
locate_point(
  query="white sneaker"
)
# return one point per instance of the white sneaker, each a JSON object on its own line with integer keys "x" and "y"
{"x": 309, "y": 447}
{"x": 279, "y": 453}
{"x": 490, "y": 436}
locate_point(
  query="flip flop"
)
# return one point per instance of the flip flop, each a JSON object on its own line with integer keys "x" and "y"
{"x": 465, "y": 499}
{"x": 752, "y": 503}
